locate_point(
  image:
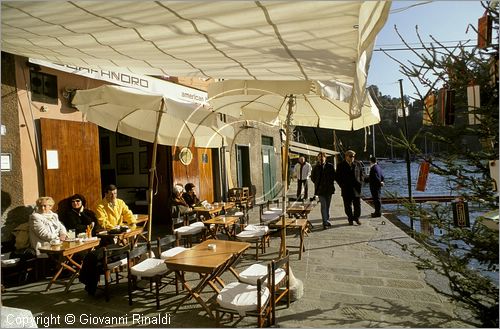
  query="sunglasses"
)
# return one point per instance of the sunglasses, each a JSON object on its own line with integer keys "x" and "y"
{"x": 76, "y": 201}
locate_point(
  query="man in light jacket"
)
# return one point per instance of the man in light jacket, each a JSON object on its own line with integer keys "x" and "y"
{"x": 302, "y": 171}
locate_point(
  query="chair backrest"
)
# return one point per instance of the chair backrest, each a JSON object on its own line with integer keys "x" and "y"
{"x": 261, "y": 282}
{"x": 283, "y": 263}
{"x": 165, "y": 243}
{"x": 190, "y": 218}
{"x": 113, "y": 253}
{"x": 134, "y": 255}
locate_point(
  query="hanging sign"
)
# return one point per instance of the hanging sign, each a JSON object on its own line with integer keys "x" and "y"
{"x": 429, "y": 104}
{"x": 423, "y": 173}
{"x": 460, "y": 213}
{"x": 473, "y": 104}
{"x": 484, "y": 27}
{"x": 426, "y": 227}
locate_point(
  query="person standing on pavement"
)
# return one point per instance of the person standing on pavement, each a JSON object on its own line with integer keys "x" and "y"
{"x": 350, "y": 176}
{"x": 302, "y": 171}
{"x": 323, "y": 177}
{"x": 376, "y": 181}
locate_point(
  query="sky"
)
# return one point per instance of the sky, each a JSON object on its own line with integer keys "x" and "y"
{"x": 444, "y": 20}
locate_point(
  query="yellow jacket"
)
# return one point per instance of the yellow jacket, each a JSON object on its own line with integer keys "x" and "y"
{"x": 109, "y": 217}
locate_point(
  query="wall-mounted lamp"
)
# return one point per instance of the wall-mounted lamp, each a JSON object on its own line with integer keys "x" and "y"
{"x": 33, "y": 67}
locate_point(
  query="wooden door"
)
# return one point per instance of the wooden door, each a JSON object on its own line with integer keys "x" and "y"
{"x": 198, "y": 171}
{"x": 206, "y": 183}
{"x": 71, "y": 164}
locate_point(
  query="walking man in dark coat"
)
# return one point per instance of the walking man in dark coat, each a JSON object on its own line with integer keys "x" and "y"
{"x": 350, "y": 176}
{"x": 323, "y": 177}
{"x": 376, "y": 180}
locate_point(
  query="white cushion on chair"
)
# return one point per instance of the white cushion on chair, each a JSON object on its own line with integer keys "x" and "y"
{"x": 262, "y": 228}
{"x": 274, "y": 209}
{"x": 149, "y": 267}
{"x": 197, "y": 224}
{"x": 238, "y": 213}
{"x": 172, "y": 252}
{"x": 241, "y": 297}
{"x": 121, "y": 262}
{"x": 188, "y": 230}
{"x": 250, "y": 235}
{"x": 256, "y": 271}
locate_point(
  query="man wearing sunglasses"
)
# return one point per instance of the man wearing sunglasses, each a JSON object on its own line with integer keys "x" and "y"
{"x": 350, "y": 177}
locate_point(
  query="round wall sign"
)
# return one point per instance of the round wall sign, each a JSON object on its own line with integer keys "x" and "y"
{"x": 186, "y": 156}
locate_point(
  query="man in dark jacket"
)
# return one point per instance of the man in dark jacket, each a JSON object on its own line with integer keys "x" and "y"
{"x": 323, "y": 177}
{"x": 376, "y": 180}
{"x": 350, "y": 176}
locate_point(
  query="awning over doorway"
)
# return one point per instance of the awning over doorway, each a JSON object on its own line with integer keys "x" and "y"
{"x": 305, "y": 149}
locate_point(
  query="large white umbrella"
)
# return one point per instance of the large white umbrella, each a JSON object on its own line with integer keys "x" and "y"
{"x": 324, "y": 104}
{"x": 320, "y": 104}
{"x": 151, "y": 118}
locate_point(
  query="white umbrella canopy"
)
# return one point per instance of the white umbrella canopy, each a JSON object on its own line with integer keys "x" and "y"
{"x": 135, "y": 113}
{"x": 288, "y": 40}
{"x": 152, "y": 118}
{"x": 306, "y": 103}
{"x": 323, "y": 104}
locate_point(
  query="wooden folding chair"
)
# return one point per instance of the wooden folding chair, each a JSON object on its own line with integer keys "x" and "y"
{"x": 246, "y": 299}
{"x": 151, "y": 268}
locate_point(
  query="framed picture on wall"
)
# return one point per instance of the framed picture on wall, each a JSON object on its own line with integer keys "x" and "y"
{"x": 143, "y": 163}
{"x": 123, "y": 140}
{"x": 125, "y": 163}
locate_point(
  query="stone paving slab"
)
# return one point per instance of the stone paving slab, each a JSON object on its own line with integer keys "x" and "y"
{"x": 353, "y": 276}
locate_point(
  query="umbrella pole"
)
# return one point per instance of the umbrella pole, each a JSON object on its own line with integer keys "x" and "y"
{"x": 284, "y": 177}
{"x": 152, "y": 171}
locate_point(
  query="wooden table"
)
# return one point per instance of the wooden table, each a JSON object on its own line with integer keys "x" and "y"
{"x": 226, "y": 223}
{"x": 125, "y": 238}
{"x": 210, "y": 264}
{"x": 300, "y": 210}
{"x": 300, "y": 224}
{"x": 64, "y": 254}
{"x": 214, "y": 211}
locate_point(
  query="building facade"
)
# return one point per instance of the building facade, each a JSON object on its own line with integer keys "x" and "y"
{"x": 48, "y": 148}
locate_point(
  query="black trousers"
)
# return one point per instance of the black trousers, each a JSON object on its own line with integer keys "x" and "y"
{"x": 351, "y": 202}
{"x": 376, "y": 200}
{"x": 301, "y": 182}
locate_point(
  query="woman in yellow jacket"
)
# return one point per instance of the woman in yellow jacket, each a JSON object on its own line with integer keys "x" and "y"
{"x": 112, "y": 212}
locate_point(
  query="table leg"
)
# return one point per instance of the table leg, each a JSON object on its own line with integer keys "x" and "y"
{"x": 302, "y": 247}
{"x": 195, "y": 293}
{"x": 63, "y": 265}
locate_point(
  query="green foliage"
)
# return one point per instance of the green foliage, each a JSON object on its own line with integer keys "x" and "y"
{"x": 460, "y": 254}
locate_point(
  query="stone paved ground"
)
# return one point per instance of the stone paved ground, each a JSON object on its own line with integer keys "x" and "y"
{"x": 353, "y": 276}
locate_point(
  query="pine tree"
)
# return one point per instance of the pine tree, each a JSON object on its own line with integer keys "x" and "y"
{"x": 462, "y": 254}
